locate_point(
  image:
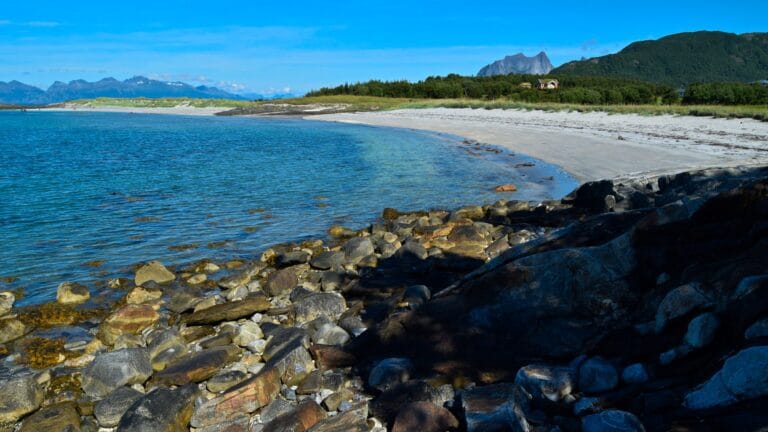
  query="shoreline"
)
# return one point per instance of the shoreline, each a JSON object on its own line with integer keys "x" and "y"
{"x": 592, "y": 146}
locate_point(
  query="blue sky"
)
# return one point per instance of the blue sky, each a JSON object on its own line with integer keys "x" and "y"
{"x": 255, "y": 46}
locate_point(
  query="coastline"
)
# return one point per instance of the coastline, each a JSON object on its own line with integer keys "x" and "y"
{"x": 176, "y": 110}
{"x": 592, "y": 146}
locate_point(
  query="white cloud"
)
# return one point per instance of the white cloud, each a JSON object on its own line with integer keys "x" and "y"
{"x": 42, "y": 24}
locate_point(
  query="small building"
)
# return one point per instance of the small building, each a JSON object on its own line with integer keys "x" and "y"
{"x": 547, "y": 84}
{"x": 525, "y": 85}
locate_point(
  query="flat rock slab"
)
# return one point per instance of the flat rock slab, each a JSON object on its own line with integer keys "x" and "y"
{"x": 162, "y": 410}
{"x": 352, "y": 420}
{"x": 306, "y": 415}
{"x": 196, "y": 367}
{"x": 57, "y": 417}
{"x": 229, "y": 311}
{"x": 240, "y": 400}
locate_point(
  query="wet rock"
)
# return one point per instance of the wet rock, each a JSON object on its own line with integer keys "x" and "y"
{"x": 225, "y": 379}
{"x": 389, "y": 372}
{"x": 128, "y": 320}
{"x": 352, "y": 420}
{"x": 140, "y": 295}
{"x": 196, "y": 367}
{"x": 165, "y": 346}
{"x": 153, "y": 271}
{"x": 596, "y": 375}
{"x": 72, "y": 293}
{"x": 229, "y": 311}
{"x": 546, "y": 382}
{"x": 506, "y": 188}
{"x": 115, "y": 369}
{"x": 312, "y": 306}
{"x": 424, "y": 417}
{"x": 19, "y": 396}
{"x": 611, "y": 421}
{"x": 162, "y": 410}
{"x": 6, "y": 302}
{"x": 281, "y": 281}
{"x": 11, "y": 329}
{"x": 327, "y": 260}
{"x": 635, "y": 374}
{"x": 742, "y": 377}
{"x": 110, "y": 410}
{"x": 679, "y": 302}
{"x": 62, "y": 416}
{"x": 197, "y": 279}
{"x": 242, "y": 399}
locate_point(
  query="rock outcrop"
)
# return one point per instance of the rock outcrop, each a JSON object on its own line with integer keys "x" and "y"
{"x": 518, "y": 64}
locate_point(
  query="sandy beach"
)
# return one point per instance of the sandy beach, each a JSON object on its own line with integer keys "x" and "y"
{"x": 176, "y": 110}
{"x": 593, "y": 145}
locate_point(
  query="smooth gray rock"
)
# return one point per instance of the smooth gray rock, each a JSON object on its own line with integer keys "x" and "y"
{"x": 611, "y": 421}
{"x": 162, "y": 410}
{"x": 115, "y": 369}
{"x": 546, "y": 382}
{"x": 412, "y": 249}
{"x": 330, "y": 334}
{"x": 678, "y": 302}
{"x": 6, "y": 302}
{"x": 281, "y": 281}
{"x": 597, "y": 375}
{"x": 634, "y": 374}
{"x": 357, "y": 248}
{"x": 12, "y": 329}
{"x": 110, "y": 410}
{"x": 743, "y": 376}
{"x": 287, "y": 259}
{"x": 327, "y": 260}
{"x": 390, "y": 372}
{"x": 329, "y": 305}
{"x": 19, "y": 396}
{"x": 153, "y": 271}
{"x": 701, "y": 330}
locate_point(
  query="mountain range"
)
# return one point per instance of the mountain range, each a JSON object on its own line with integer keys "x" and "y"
{"x": 518, "y": 64}
{"x": 15, "y": 92}
{"x": 683, "y": 58}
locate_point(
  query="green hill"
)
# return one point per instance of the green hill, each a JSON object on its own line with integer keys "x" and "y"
{"x": 683, "y": 58}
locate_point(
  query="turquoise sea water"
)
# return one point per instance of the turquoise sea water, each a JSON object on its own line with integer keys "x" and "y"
{"x": 124, "y": 188}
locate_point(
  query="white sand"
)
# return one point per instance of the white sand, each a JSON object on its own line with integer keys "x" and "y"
{"x": 177, "y": 110}
{"x": 587, "y": 145}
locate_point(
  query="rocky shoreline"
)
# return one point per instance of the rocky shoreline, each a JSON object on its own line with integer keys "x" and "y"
{"x": 627, "y": 306}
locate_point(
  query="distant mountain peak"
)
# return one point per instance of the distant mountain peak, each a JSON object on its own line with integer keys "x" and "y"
{"x": 518, "y": 64}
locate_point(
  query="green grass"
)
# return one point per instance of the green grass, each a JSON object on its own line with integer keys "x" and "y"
{"x": 345, "y": 103}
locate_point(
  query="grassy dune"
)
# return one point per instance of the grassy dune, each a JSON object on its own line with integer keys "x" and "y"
{"x": 322, "y": 104}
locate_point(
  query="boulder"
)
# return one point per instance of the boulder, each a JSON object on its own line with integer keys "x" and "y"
{"x": 592, "y": 195}
{"x": 679, "y": 302}
{"x": 287, "y": 259}
{"x": 330, "y": 334}
{"x": 115, "y": 369}
{"x": 12, "y": 329}
{"x": 327, "y": 260}
{"x": 492, "y": 407}
{"x": 128, "y": 320}
{"x": 546, "y": 382}
{"x": 357, "y": 248}
{"x": 424, "y": 417}
{"x": 596, "y": 375}
{"x": 6, "y": 302}
{"x": 165, "y": 346}
{"x": 757, "y": 330}
{"x": 153, "y": 271}
{"x": 62, "y": 416}
{"x": 306, "y": 415}
{"x": 281, "y": 281}
{"x": 355, "y": 419}
{"x": 19, "y": 396}
{"x": 312, "y": 306}
{"x": 110, "y": 410}
{"x": 743, "y": 377}
{"x": 248, "y": 333}
{"x": 162, "y": 410}
{"x": 293, "y": 362}
{"x": 390, "y": 372}
{"x": 72, "y": 293}
{"x": 242, "y": 399}
{"x": 611, "y": 421}
{"x": 412, "y": 249}
{"x": 229, "y": 311}
{"x": 701, "y": 330}
{"x": 635, "y": 374}
{"x": 141, "y": 295}
{"x": 196, "y": 367}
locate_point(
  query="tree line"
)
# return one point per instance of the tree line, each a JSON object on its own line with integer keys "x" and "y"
{"x": 572, "y": 89}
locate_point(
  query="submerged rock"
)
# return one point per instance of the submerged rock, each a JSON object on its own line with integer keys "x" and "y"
{"x": 128, "y": 320}
{"x": 12, "y": 329}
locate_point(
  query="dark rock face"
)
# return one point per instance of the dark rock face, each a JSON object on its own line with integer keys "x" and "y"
{"x": 162, "y": 410}
{"x": 518, "y": 64}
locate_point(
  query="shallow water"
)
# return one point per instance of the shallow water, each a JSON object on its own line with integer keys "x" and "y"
{"x": 83, "y": 196}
